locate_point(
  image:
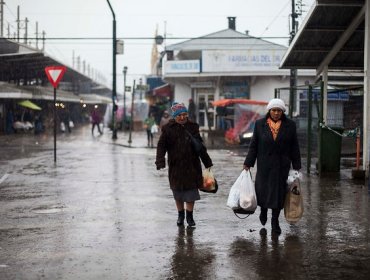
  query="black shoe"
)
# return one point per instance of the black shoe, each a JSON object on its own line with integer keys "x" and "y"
{"x": 263, "y": 216}
{"x": 181, "y": 218}
{"x": 275, "y": 227}
{"x": 189, "y": 218}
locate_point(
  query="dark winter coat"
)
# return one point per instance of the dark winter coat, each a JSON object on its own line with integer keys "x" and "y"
{"x": 274, "y": 159}
{"x": 184, "y": 166}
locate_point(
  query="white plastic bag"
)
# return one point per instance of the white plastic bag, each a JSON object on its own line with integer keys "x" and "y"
{"x": 293, "y": 175}
{"x": 62, "y": 127}
{"x": 209, "y": 182}
{"x": 71, "y": 124}
{"x": 154, "y": 129}
{"x": 242, "y": 193}
{"x": 248, "y": 199}
{"x": 234, "y": 194}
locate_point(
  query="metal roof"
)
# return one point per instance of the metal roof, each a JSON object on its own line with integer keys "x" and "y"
{"x": 227, "y": 39}
{"x": 22, "y": 62}
{"x": 332, "y": 34}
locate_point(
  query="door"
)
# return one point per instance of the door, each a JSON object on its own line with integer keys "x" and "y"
{"x": 206, "y": 112}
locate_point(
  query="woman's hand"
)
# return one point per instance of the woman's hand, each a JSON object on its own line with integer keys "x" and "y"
{"x": 246, "y": 167}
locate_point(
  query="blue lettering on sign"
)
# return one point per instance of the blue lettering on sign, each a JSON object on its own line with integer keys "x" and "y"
{"x": 185, "y": 66}
{"x": 265, "y": 59}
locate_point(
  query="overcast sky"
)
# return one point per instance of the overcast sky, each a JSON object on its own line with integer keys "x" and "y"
{"x": 138, "y": 19}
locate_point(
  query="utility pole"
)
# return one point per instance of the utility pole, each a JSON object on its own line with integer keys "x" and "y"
{"x": 37, "y": 35}
{"x": 293, "y": 72}
{"x": 2, "y": 18}
{"x": 124, "y": 96}
{"x": 114, "y": 93}
{"x": 26, "y": 31}
{"x": 18, "y": 23}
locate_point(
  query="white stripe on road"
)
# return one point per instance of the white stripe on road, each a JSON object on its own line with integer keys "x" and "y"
{"x": 4, "y": 178}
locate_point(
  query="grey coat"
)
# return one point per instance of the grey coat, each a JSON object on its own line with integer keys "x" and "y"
{"x": 184, "y": 167}
{"x": 274, "y": 159}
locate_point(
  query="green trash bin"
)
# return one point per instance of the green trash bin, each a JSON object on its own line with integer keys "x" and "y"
{"x": 331, "y": 148}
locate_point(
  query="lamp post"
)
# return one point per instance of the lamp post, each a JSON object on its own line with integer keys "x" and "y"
{"x": 124, "y": 95}
{"x": 132, "y": 113}
{"x": 141, "y": 87}
{"x": 114, "y": 93}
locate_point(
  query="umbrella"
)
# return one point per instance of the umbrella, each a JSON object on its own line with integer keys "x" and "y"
{"x": 29, "y": 104}
{"x": 226, "y": 102}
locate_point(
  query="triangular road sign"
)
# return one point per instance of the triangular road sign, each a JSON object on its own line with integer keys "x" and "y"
{"x": 55, "y": 74}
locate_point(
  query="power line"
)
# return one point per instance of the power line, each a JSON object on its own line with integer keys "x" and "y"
{"x": 168, "y": 38}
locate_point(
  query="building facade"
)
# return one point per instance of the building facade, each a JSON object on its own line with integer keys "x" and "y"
{"x": 225, "y": 64}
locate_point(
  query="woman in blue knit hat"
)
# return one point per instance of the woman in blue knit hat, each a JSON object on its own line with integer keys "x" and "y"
{"x": 184, "y": 164}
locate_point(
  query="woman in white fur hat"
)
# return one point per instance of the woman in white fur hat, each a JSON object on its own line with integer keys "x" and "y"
{"x": 275, "y": 147}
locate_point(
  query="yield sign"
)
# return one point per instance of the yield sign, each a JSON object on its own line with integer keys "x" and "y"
{"x": 55, "y": 74}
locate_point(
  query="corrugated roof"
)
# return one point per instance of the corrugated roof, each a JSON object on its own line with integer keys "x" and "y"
{"x": 333, "y": 34}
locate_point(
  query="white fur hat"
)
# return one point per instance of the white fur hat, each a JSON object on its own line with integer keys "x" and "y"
{"x": 276, "y": 103}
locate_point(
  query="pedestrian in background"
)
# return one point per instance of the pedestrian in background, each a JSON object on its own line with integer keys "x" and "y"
{"x": 275, "y": 147}
{"x": 148, "y": 124}
{"x": 96, "y": 119}
{"x": 184, "y": 166}
{"x": 192, "y": 111}
{"x": 164, "y": 120}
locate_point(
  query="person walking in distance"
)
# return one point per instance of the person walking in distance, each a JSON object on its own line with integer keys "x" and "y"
{"x": 192, "y": 110}
{"x": 275, "y": 147}
{"x": 184, "y": 165}
{"x": 96, "y": 120}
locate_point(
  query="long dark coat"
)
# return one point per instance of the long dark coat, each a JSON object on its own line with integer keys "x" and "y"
{"x": 274, "y": 159}
{"x": 184, "y": 166}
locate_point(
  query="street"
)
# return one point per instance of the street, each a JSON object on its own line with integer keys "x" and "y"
{"x": 103, "y": 211}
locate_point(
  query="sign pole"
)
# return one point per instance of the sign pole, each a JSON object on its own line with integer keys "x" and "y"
{"x": 55, "y": 125}
{"x": 55, "y": 74}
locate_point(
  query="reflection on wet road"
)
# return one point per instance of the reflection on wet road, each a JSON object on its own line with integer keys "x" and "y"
{"x": 104, "y": 212}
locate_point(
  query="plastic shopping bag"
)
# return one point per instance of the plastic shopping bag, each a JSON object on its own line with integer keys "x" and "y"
{"x": 62, "y": 127}
{"x": 248, "y": 198}
{"x": 209, "y": 182}
{"x": 154, "y": 129}
{"x": 293, "y": 206}
{"x": 234, "y": 194}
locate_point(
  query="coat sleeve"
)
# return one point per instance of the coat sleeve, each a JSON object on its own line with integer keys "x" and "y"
{"x": 251, "y": 157}
{"x": 160, "y": 161}
{"x": 295, "y": 154}
{"x": 204, "y": 156}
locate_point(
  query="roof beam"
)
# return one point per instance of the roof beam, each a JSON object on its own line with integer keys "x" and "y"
{"x": 342, "y": 40}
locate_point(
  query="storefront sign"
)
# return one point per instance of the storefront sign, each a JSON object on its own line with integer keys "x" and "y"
{"x": 182, "y": 66}
{"x": 241, "y": 60}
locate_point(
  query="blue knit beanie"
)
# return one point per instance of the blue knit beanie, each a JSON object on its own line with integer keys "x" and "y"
{"x": 177, "y": 109}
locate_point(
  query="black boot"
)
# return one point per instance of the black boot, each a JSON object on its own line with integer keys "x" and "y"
{"x": 275, "y": 227}
{"x": 189, "y": 218}
{"x": 263, "y": 216}
{"x": 181, "y": 218}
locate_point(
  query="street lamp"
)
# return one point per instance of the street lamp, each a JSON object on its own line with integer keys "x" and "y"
{"x": 141, "y": 86}
{"x": 132, "y": 113}
{"x": 114, "y": 93}
{"x": 124, "y": 95}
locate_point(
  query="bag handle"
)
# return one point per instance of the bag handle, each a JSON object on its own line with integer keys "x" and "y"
{"x": 241, "y": 217}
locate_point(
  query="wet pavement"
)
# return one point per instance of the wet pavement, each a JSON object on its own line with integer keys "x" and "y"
{"x": 104, "y": 212}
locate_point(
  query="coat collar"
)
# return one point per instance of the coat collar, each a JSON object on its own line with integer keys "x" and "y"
{"x": 282, "y": 130}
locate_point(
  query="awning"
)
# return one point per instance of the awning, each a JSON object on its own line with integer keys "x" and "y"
{"x": 163, "y": 91}
{"x": 226, "y": 102}
{"x": 29, "y": 104}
